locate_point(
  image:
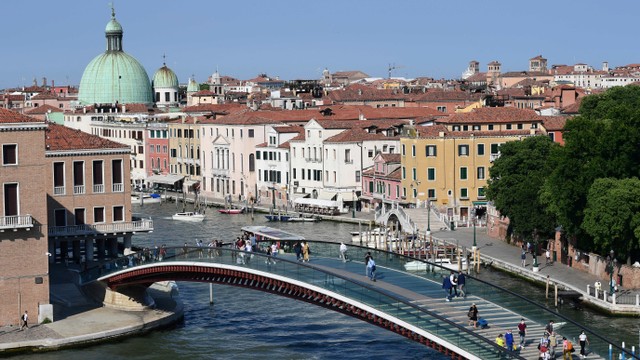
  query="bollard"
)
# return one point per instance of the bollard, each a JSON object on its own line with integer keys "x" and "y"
{"x": 546, "y": 294}
{"x": 613, "y": 298}
{"x": 623, "y": 354}
{"x": 210, "y": 293}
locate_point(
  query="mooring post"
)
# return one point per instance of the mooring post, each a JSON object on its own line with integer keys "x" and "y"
{"x": 210, "y": 293}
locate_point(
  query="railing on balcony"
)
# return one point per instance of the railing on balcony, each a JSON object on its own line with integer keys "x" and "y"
{"x": 78, "y": 189}
{"x": 493, "y": 157}
{"x": 118, "y": 187}
{"x": 16, "y": 222}
{"x": 220, "y": 172}
{"x": 58, "y": 190}
{"x": 143, "y": 225}
{"x": 98, "y": 188}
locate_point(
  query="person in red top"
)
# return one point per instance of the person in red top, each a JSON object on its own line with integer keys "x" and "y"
{"x": 522, "y": 331}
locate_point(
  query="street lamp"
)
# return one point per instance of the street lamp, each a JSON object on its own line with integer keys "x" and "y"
{"x": 428, "y": 215}
{"x": 610, "y": 267}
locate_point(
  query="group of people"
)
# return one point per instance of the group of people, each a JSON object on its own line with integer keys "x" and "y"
{"x": 302, "y": 251}
{"x": 452, "y": 283}
{"x": 370, "y": 266}
{"x": 548, "y": 343}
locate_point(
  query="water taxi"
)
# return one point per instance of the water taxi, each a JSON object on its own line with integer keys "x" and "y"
{"x": 188, "y": 216}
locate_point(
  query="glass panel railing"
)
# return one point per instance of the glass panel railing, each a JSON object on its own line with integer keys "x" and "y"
{"x": 412, "y": 314}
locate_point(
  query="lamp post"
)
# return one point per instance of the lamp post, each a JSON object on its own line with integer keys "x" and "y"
{"x": 428, "y": 215}
{"x": 610, "y": 267}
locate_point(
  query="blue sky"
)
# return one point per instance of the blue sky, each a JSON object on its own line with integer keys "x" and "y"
{"x": 298, "y": 39}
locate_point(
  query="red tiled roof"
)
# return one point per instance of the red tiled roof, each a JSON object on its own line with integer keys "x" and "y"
{"x": 60, "y": 138}
{"x": 554, "y": 123}
{"x": 440, "y": 96}
{"x": 391, "y": 158}
{"x": 43, "y": 110}
{"x": 204, "y": 93}
{"x": 44, "y": 96}
{"x": 12, "y": 117}
{"x": 215, "y": 108}
{"x": 356, "y": 135}
{"x": 493, "y": 115}
{"x": 364, "y": 93}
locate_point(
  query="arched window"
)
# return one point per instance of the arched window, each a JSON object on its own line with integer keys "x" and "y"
{"x": 252, "y": 162}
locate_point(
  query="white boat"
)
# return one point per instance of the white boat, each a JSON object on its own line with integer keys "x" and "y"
{"x": 444, "y": 262}
{"x": 188, "y": 216}
{"x": 146, "y": 199}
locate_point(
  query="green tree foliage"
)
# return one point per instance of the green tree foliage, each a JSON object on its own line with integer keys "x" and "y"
{"x": 612, "y": 215}
{"x": 515, "y": 182}
{"x": 604, "y": 141}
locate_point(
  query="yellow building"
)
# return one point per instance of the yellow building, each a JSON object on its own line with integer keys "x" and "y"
{"x": 184, "y": 149}
{"x": 448, "y": 163}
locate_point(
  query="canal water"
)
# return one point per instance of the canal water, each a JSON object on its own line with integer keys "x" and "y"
{"x": 245, "y": 323}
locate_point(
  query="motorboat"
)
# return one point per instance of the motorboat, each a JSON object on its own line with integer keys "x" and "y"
{"x": 303, "y": 219}
{"x": 146, "y": 198}
{"x": 188, "y": 216}
{"x": 231, "y": 211}
{"x": 277, "y": 217}
{"x": 446, "y": 263}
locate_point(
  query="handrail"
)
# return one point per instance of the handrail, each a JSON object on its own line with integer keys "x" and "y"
{"x": 487, "y": 346}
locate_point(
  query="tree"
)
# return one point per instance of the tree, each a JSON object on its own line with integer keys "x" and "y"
{"x": 515, "y": 182}
{"x": 612, "y": 215}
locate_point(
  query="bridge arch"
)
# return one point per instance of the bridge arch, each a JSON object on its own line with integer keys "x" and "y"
{"x": 231, "y": 275}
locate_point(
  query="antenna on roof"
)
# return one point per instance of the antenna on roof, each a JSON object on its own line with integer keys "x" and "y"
{"x": 393, "y": 67}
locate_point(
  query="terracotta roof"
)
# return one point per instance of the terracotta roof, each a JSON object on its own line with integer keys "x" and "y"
{"x": 440, "y": 96}
{"x": 215, "y": 108}
{"x": 43, "y": 110}
{"x": 364, "y": 93}
{"x": 554, "y": 123}
{"x": 12, "y": 117}
{"x": 479, "y": 77}
{"x": 204, "y": 93}
{"x": 573, "y": 108}
{"x": 525, "y": 73}
{"x": 391, "y": 158}
{"x": 356, "y": 135}
{"x": 44, "y": 96}
{"x": 493, "y": 115}
{"x": 539, "y": 57}
{"x": 61, "y": 138}
{"x": 288, "y": 129}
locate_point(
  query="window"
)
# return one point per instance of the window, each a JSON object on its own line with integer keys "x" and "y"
{"x": 415, "y": 193}
{"x": 431, "y": 150}
{"x": 78, "y": 177}
{"x": 413, "y": 150}
{"x": 258, "y": 155}
{"x": 520, "y": 126}
{"x": 463, "y": 173}
{"x": 431, "y": 174}
{"x": 357, "y": 176}
{"x": 117, "y": 175}
{"x": 251, "y": 133}
{"x": 490, "y": 127}
{"x": 98, "y": 215}
{"x": 414, "y": 174}
{"x": 118, "y": 213}
{"x": 404, "y": 173}
{"x": 480, "y": 171}
{"x": 552, "y": 136}
{"x": 11, "y": 199}
{"x": 252, "y": 163}
{"x": 464, "y": 193}
{"x": 370, "y": 153}
{"x": 463, "y": 150}
{"x": 79, "y": 216}
{"x": 431, "y": 193}
{"x": 480, "y": 149}
{"x": 442, "y": 109}
{"x": 495, "y": 149}
{"x": 98, "y": 178}
{"x": 371, "y": 187}
{"x": 10, "y": 154}
{"x": 347, "y": 156}
{"x": 404, "y": 150}
{"x": 509, "y": 126}
{"x": 58, "y": 178}
{"x": 481, "y": 193}
{"x": 476, "y": 127}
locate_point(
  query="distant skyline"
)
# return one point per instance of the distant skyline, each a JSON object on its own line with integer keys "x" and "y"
{"x": 298, "y": 39}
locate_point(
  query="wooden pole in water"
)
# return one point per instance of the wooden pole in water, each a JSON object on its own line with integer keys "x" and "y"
{"x": 478, "y": 260}
{"x": 546, "y": 296}
{"x": 210, "y": 293}
{"x": 556, "y": 291}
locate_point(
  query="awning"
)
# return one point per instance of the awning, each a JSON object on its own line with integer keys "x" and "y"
{"x": 326, "y": 195}
{"x": 479, "y": 203}
{"x": 317, "y": 202}
{"x": 165, "y": 179}
{"x": 348, "y": 196}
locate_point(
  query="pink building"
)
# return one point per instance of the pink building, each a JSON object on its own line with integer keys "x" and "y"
{"x": 382, "y": 182}
{"x": 157, "y": 154}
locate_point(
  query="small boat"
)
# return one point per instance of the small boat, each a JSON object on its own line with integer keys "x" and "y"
{"x": 231, "y": 211}
{"x": 277, "y": 217}
{"x": 302, "y": 219}
{"x": 443, "y": 262}
{"x": 188, "y": 216}
{"x": 146, "y": 198}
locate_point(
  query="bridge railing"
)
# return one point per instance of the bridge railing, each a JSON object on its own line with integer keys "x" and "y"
{"x": 364, "y": 293}
{"x": 514, "y": 302}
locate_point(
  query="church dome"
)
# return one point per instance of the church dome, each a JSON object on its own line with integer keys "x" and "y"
{"x": 193, "y": 86}
{"x": 165, "y": 78}
{"x": 115, "y": 76}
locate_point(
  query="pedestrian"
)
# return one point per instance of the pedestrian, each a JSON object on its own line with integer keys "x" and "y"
{"x": 522, "y": 332}
{"x": 248, "y": 250}
{"x": 305, "y": 252}
{"x": 185, "y": 248}
{"x": 274, "y": 251}
{"x": 567, "y": 349}
{"x": 297, "y": 248}
{"x": 553, "y": 343}
{"x": 24, "y": 323}
{"x": 446, "y": 285}
{"x": 343, "y": 252}
{"x": 523, "y": 257}
{"x": 500, "y": 340}
{"x": 583, "y": 344}
{"x": 371, "y": 269}
{"x": 462, "y": 279}
{"x": 454, "y": 284}
{"x": 473, "y": 315}
{"x": 163, "y": 252}
{"x": 543, "y": 345}
{"x": 508, "y": 338}
{"x": 367, "y": 256}
{"x": 547, "y": 255}
{"x": 549, "y": 328}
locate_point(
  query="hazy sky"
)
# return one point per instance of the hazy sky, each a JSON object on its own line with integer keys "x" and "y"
{"x": 298, "y": 39}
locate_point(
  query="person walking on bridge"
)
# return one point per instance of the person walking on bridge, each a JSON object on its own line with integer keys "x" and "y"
{"x": 473, "y": 315}
{"x": 454, "y": 284}
{"x": 343, "y": 252}
{"x": 522, "y": 332}
{"x": 371, "y": 269}
{"x": 446, "y": 285}
{"x": 367, "y": 256}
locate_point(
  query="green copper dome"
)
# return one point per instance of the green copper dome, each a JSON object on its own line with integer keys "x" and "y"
{"x": 114, "y": 76}
{"x": 165, "y": 78}
{"x": 193, "y": 86}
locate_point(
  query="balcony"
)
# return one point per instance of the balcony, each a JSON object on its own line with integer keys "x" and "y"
{"x": 78, "y": 189}
{"x": 144, "y": 225}
{"x": 59, "y": 190}
{"x": 220, "y": 172}
{"x": 15, "y": 222}
{"x": 493, "y": 157}
{"x": 118, "y": 187}
{"x": 98, "y": 188}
